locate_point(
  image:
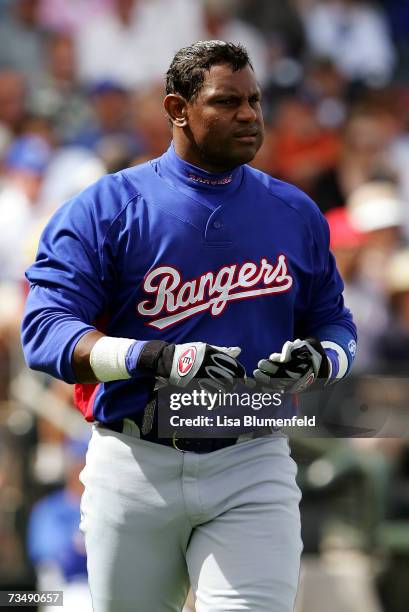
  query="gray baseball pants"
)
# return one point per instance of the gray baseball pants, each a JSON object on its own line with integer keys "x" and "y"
{"x": 156, "y": 520}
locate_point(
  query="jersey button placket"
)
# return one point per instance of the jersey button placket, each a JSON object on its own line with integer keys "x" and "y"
{"x": 216, "y": 230}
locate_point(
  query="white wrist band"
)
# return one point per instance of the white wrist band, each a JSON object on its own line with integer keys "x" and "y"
{"x": 107, "y": 358}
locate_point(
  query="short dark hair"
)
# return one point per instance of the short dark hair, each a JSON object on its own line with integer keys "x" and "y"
{"x": 187, "y": 70}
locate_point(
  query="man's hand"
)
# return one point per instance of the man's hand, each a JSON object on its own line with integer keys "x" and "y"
{"x": 296, "y": 368}
{"x": 178, "y": 364}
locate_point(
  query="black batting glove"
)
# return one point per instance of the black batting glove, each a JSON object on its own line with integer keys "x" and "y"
{"x": 215, "y": 367}
{"x": 299, "y": 365}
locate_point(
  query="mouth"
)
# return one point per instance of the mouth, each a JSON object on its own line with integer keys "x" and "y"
{"x": 249, "y": 137}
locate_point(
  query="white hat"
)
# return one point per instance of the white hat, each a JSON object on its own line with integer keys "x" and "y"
{"x": 374, "y": 206}
{"x": 397, "y": 276}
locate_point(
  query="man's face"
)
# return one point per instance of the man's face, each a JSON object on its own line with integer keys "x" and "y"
{"x": 224, "y": 122}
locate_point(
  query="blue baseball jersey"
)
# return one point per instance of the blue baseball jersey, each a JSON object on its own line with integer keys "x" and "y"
{"x": 168, "y": 251}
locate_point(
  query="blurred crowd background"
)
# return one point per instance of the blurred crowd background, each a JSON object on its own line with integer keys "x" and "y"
{"x": 81, "y": 87}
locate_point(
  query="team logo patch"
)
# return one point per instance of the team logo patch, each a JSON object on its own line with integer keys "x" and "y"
{"x": 186, "y": 361}
{"x": 352, "y": 347}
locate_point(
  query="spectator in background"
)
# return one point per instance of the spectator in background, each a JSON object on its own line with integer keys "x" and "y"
{"x": 399, "y": 149}
{"x": 126, "y": 41}
{"x": 68, "y": 17}
{"x": 365, "y": 139}
{"x": 346, "y": 242}
{"x": 373, "y": 209}
{"x": 326, "y": 88}
{"x": 369, "y": 305}
{"x": 301, "y": 149}
{"x": 58, "y": 95}
{"x": 22, "y": 40}
{"x": 393, "y": 346}
{"x": 55, "y": 544}
{"x": 25, "y": 163}
{"x": 12, "y": 101}
{"x": 355, "y": 35}
{"x": 397, "y": 12}
{"x": 109, "y": 133}
{"x": 220, "y": 22}
{"x": 279, "y": 22}
{"x": 284, "y": 42}
{"x": 150, "y": 122}
{"x": 133, "y": 44}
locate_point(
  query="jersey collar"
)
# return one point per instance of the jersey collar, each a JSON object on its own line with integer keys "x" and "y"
{"x": 192, "y": 177}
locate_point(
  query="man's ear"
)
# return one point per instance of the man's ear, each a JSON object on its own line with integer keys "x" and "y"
{"x": 176, "y": 109}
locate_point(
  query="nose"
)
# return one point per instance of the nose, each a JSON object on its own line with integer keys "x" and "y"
{"x": 246, "y": 113}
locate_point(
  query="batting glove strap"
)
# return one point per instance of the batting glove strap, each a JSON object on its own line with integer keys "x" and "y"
{"x": 147, "y": 359}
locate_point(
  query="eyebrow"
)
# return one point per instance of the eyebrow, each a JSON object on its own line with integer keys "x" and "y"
{"x": 233, "y": 94}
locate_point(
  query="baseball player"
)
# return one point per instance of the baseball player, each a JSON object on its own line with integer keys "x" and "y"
{"x": 191, "y": 265}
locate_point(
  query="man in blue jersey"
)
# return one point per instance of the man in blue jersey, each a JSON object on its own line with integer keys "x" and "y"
{"x": 168, "y": 271}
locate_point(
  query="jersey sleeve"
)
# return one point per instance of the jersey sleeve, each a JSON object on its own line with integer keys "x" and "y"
{"x": 69, "y": 287}
{"x": 327, "y": 318}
